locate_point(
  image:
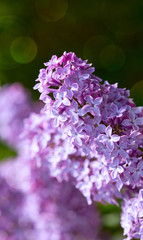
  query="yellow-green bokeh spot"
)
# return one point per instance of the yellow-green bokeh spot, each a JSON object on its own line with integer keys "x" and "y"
{"x": 93, "y": 47}
{"x": 23, "y": 49}
{"x": 50, "y": 10}
{"x": 10, "y": 28}
{"x": 111, "y": 220}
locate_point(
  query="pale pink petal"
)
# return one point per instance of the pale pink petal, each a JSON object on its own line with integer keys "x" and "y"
{"x": 66, "y": 102}
{"x": 108, "y": 131}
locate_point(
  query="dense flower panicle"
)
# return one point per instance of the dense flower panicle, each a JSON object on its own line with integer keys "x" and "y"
{"x": 56, "y": 211}
{"x": 102, "y": 123}
{"x": 15, "y": 105}
{"x": 132, "y": 217}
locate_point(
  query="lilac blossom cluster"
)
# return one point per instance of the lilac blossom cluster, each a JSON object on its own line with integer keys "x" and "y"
{"x": 102, "y": 123}
{"x": 15, "y": 105}
{"x": 99, "y": 132}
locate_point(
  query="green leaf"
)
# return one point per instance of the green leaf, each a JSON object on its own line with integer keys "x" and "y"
{"x": 6, "y": 152}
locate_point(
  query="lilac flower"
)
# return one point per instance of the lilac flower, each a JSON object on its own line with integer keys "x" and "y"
{"x": 58, "y": 118}
{"x": 137, "y": 170}
{"x": 120, "y": 149}
{"x": 92, "y": 104}
{"x": 115, "y": 168}
{"x": 103, "y": 149}
{"x": 109, "y": 139}
{"x": 69, "y": 87}
{"x": 54, "y": 61}
{"x": 61, "y": 99}
{"x": 132, "y": 140}
{"x": 117, "y": 112}
{"x": 61, "y": 73}
{"x": 95, "y": 127}
{"x": 132, "y": 121}
{"x": 75, "y": 112}
{"x": 75, "y": 137}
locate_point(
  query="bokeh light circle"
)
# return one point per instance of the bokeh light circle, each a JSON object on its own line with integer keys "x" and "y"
{"x": 93, "y": 47}
{"x": 122, "y": 17}
{"x": 10, "y": 28}
{"x": 137, "y": 93}
{"x": 50, "y": 10}
{"x": 23, "y": 49}
{"x": 112, "y": 57}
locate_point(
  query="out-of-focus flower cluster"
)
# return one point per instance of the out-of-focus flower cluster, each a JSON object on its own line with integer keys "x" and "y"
{"x": 15, "y": 105}
{"x": 14, "y": 225}
{"x": 39, "y": 207}
{"x": 33, "y": 205}
{"x": 132, "y": 216}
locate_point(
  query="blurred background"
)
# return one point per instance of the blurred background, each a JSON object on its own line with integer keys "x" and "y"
{"x": 107, "y": 33}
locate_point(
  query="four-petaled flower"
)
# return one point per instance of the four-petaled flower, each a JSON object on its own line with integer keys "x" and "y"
{"x": 61, "y": 73}
{"x": 115, "y": 168}
{"x": 69, "y": 87}
{"x": 133, "y": 121}
{"x": 92, "y": 104}
{"x": 109, "y": 139}
{"x": 75, "y": 112}
{"x": 57, "y": 117}
{"x": 120, "y": 149}
{"x": 61, "y": 98}
{"x": 137, "y": 170}
{"x": 116, "y": 112}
